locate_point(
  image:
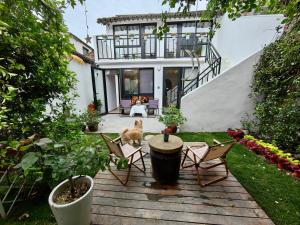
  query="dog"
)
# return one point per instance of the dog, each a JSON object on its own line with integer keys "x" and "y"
{"x": 134, "y": 134}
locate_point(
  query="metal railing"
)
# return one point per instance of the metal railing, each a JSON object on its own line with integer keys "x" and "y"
{"x": 173, "y": 45}
{"x": 214, "y": 67}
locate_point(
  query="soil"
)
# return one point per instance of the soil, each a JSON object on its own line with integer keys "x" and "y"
{"x": 65, "y": 196}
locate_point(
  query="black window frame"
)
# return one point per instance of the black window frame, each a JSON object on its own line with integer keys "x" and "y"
{"x": 140, "y": 38}
{"x": 128, "y": 96}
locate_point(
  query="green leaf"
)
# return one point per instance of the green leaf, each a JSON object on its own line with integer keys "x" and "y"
{"x": 28, "y": 161}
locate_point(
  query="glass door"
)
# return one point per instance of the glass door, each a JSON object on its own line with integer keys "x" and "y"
{"x": 99, "y": 90}
{"x": 172, "y": 86}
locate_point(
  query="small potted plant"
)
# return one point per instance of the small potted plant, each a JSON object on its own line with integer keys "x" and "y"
{"x": 172, "y": 118}
{"x": 92, "y": 120}
{"x": 166, "y": 132}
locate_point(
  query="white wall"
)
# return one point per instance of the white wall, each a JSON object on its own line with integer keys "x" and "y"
{"x": 84, "y": 85}
{"x": 223, "y": 101}
{"x": 238, "y": 39}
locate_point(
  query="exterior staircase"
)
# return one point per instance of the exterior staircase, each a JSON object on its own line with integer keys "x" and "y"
{"x": 213, "y": 69}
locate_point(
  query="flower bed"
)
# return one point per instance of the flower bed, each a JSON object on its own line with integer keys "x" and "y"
{"x": 269, "y": 151}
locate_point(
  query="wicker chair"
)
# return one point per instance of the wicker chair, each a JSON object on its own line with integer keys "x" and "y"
{"x": 203, "y": 153}
{"x": 132, "y": 154}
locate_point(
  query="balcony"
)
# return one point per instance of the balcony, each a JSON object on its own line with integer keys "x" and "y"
{"x": 148, "y": 46}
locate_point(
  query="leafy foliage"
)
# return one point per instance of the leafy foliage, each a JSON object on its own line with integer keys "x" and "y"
{"x": 276, "y": 87}
{"x": 33, "y": 63}
{"x": 172, "y": 116}
{"x": 234, "y": 9}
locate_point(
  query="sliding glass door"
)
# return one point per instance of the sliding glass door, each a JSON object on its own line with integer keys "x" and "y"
{"x": 137, "y": 82}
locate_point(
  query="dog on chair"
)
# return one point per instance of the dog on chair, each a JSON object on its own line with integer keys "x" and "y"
{"x": 134, "y": 134}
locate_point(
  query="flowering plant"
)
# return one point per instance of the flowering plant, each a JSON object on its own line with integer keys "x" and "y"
{"x": 271, "y": 152}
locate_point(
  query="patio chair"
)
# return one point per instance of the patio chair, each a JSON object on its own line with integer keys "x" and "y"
{"x": 125, "y": 104}
{"x": 153, "y": 105}
{"x": 203, "y": 153}
{"x": 132, "y": 154}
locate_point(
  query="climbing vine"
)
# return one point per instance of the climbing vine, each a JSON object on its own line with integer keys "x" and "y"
{"x": 276, "y": 87}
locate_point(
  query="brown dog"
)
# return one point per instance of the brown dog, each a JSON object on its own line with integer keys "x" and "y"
{"x": 133, "y": 134}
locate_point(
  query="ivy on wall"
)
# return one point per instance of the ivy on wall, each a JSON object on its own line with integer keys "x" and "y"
{"x": 276, "y": 87}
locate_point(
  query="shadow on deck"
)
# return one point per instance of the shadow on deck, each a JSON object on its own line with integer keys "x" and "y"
{"x": 143, "y": 201}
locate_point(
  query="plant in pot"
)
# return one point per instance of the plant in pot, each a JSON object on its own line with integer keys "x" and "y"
{"x": 92, "y": 120}
{"x": 71, "y": 200}
{"x": 172, "y": 118}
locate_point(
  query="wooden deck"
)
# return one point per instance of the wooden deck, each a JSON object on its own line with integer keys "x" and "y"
{"x": 144, "y": 202}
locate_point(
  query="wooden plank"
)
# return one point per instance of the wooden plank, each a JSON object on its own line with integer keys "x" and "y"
{"x": 182, "y": 175}
{"x": 156, "y": 185}
{"x": 176, "y": 199}
{"x": 178, "y": 207}
{"x": 180, "y": 216}
{"x": 99, "y": 219}
{"x": 191, "y": 181}
{"x": 174, "y": 192}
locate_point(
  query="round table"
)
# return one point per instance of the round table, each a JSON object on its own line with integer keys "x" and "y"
{"x": 165, "y": 158}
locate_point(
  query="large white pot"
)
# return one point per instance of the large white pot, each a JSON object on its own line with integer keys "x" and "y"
{"x": 74, "y": 213}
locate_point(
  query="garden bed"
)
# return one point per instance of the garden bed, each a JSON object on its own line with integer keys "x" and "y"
{"x": 283, "y": 159}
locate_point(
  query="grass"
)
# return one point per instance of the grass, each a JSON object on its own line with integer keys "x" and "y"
{"x": 277, "y": 193}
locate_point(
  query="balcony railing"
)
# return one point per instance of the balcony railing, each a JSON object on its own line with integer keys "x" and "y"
{"x": 147, "y": 46}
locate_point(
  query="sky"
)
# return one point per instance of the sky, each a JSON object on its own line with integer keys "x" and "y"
{"x": 75, "y": 18}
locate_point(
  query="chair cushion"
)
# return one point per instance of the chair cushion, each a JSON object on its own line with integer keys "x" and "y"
{"x": 199, "y": 151}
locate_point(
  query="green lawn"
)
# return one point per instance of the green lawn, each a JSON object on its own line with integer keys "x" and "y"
{"x": 277, "y": 193}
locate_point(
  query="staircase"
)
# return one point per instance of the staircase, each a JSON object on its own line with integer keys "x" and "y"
{"x": 213, "y": 69}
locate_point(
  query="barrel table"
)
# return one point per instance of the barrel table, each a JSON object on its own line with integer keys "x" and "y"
{"x": 165, "y": 158}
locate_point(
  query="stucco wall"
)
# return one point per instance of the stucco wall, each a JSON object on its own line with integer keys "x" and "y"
{"x": 238, "y": 39}
{"x": 222, "y": 102}
{"x": 84, "y": 85}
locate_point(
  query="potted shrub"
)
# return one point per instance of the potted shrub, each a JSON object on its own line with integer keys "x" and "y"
{"x": 92, "y": 120}
{"x": 172, "y": 118}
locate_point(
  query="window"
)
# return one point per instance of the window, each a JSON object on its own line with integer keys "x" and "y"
{"x": 134, "y": 41}
{"x": 131, "y": 81}
{"x": 137, "y": 82}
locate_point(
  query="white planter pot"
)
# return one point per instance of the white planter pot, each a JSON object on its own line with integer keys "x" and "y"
{"x": 74, "y": 213}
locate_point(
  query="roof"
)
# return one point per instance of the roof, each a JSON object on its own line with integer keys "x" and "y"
{"x": 81, "y": 41}
{"x": 150, "y": 16}
{"x": 84, "y": 58}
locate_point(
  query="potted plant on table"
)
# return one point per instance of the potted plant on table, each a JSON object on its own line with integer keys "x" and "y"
{"x": 172, "y": 118}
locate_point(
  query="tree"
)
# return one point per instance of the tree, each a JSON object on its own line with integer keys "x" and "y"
{"x": 234, "y": 8}
{"x": 34, "y": 54}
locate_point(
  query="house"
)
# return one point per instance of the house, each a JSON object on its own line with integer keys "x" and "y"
{"x": 133, "y": 63}
{"x": 81, "y": 63}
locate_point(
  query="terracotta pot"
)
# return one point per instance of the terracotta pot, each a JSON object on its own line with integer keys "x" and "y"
{"x": 173, "y": 128}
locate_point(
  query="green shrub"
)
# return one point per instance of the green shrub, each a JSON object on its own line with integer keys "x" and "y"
{"x": 276, "y": 88}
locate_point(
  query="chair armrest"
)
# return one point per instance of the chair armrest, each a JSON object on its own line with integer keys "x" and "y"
{"x": 221, "y": 143}
{"x": 132, "y": 153}
{"x": 118, "y": 140}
